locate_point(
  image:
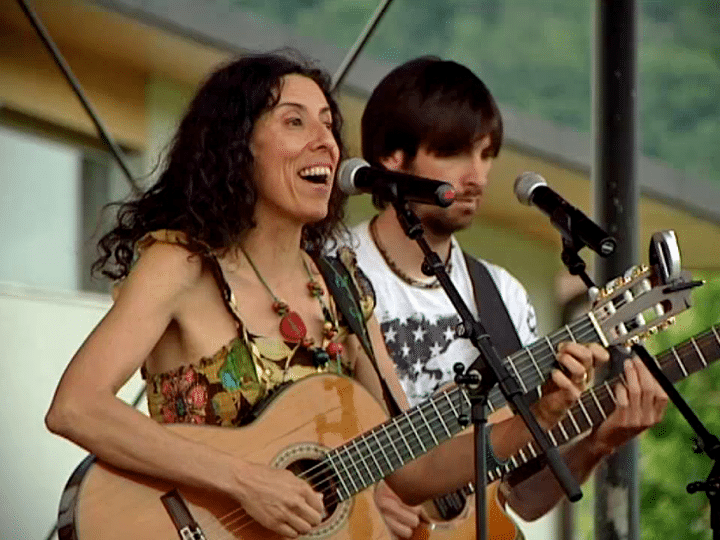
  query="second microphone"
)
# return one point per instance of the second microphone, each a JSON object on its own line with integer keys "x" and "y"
{"x": 355, "y": 176}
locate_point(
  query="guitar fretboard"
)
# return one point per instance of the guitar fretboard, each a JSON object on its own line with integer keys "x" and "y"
{"x": 596, "y": 404}
{"x": 372, "y": 456}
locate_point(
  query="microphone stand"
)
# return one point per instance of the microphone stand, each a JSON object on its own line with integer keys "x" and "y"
{"x": 482, "y": 374}
{"x": 706, "y": 441}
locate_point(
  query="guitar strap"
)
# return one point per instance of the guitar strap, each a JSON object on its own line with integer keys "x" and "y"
{"x": 490, "y": 305}
{"x": 342, "y": 287}
{"x": 492, "y": 311}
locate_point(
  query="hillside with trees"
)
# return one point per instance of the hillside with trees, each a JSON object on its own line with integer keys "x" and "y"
{"x": 536, "y": 58}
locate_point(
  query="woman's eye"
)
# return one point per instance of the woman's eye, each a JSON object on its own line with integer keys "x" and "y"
{"x": 294, "y": 121}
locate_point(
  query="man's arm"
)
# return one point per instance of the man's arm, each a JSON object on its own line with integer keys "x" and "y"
{"x": 640, "y": 404}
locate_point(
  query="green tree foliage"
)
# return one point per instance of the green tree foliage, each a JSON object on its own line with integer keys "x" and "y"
{"x": 536, "y": 58}
{"x": 667, "y": 462}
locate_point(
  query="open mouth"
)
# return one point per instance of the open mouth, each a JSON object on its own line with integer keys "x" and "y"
{"x": 319, "y": 174}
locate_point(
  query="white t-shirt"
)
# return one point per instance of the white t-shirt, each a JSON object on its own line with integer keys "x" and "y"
{"x": 419, "y": 324}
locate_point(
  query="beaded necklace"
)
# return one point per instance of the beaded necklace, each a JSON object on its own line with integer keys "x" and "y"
{"x": 434, "y": 284}
{"x": 293, "y": 328}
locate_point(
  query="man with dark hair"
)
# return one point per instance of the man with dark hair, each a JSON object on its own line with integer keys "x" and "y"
{"x": 437, "y": 119}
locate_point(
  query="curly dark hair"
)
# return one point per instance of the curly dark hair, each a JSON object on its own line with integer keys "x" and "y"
{"x": 206, "y": 188}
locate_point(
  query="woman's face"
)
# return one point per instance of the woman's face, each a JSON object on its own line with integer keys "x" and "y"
{"x": 295, "y": 154}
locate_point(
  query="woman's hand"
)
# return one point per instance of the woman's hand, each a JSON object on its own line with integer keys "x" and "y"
{"x": 565, "y": 385}
{"x": 279, "y": 500}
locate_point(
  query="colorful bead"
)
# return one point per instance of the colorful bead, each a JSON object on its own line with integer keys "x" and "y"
{"x": 334, "y": 349}
{"x": 292, "y": 327}
{"x": 280, "y": 307}
{"x": 315, "y": 288}
{"x": 320, "y": 357}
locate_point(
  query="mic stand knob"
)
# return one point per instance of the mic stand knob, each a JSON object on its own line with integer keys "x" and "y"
{"x": 469, "y": 379}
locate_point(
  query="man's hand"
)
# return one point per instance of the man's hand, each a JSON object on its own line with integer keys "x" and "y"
{"x": 566, "y": 385}
{"x": 400, "y": 518}
{"x": 640, "y": 404}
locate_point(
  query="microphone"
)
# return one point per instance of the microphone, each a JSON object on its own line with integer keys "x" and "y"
{"x": 355, "y": 175}
{"x": 531, "y": 189}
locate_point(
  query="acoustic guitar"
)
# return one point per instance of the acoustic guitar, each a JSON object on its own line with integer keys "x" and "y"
{"x": 592, "y": 408}
{"x": 330, "y": 431}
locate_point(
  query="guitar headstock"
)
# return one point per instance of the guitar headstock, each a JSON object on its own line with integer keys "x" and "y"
{"x": 647, "y": 298}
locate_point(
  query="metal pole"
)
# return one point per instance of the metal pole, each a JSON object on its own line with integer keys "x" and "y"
{"x": 75, "y": 84}
{"x": 359, "y": 44}
{"x": 616, "y": 194}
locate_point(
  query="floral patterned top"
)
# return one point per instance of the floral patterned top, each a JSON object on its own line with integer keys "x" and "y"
{"x": 226, "y": 388}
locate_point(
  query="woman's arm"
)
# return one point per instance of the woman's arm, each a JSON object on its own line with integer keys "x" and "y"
{"x": 86, "y": 410}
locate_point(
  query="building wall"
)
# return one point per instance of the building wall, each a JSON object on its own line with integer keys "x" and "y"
{"x": 31, "y": 82}
{"x": 40, "y": 331}
{"x": 39, "y": 190}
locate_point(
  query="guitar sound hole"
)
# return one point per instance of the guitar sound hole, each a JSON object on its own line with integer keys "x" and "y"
{"x": 321, "y": 478}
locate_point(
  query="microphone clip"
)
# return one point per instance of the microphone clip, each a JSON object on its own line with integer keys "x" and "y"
{"x": 574, "y": 263}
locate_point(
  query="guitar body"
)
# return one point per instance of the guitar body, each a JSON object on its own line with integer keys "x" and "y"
{"x": 463, "y": 527}
{"x": 311, "y": 416}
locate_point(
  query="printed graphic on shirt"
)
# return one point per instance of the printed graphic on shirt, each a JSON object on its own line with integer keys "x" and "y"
{"x": 531, "y": 319}
{"x": 424, "y": 352}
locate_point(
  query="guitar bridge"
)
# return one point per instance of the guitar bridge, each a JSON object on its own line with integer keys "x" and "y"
{"x": 186, "y": 526}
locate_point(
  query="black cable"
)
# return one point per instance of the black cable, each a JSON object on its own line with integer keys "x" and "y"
{"x": 75, "y": 84}
{"x": 359, "y": 44}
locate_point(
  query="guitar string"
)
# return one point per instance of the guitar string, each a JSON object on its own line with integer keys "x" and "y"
{"x": 605, "y": 390}
{"x": 528, "y": 350}
{"x": 540, "y": 360}
{"x": 601, "y": 392}
{"x": 587, "y": 398}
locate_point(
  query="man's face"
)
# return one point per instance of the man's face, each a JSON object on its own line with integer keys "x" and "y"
{"x": 467, "y": 173}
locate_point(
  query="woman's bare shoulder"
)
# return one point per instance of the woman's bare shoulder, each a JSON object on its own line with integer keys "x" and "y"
{"x": 164, "y": 271}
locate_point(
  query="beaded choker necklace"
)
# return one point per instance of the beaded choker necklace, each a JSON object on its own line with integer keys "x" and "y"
{"x": 434, "y": 284}
{"x": 293, "y": 328}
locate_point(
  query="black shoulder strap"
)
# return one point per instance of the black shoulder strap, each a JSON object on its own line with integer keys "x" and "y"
{"x": 492, "y": 310}
{"x": 339, "y": 282}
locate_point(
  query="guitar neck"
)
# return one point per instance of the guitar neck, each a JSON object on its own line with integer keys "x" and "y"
{"x": 369, "y": 458}
{"x": 596, "y": 404}
{"x": 531, "y": 365}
